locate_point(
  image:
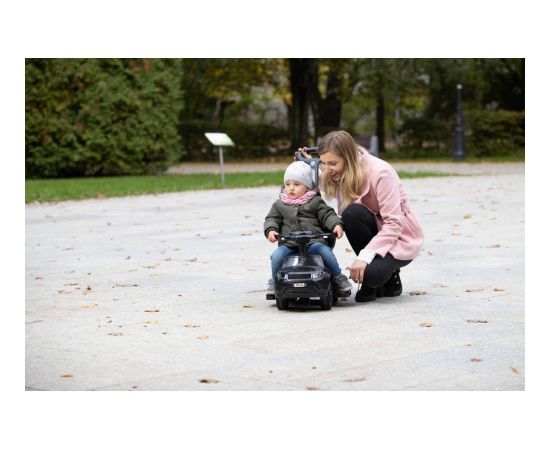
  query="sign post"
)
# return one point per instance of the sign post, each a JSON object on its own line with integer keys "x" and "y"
{"x": 220, "y": 140}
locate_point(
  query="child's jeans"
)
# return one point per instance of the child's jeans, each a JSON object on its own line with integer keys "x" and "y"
{"x": 317, "y": 248}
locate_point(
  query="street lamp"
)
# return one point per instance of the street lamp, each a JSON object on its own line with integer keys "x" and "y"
{"x": 220, "y": 140}
{"x": 458, "y": 152}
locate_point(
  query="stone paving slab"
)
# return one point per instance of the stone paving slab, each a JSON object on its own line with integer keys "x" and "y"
{"x": 160, "y": 292}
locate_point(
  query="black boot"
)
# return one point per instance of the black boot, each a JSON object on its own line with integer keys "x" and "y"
{"x": 366, "y": 294}
{"x": 392, "y": 287}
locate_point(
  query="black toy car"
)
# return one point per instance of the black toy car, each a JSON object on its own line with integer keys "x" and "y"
{"x": 303, "y": 278}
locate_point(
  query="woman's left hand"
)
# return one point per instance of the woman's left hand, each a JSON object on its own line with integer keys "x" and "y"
{"x": 338, "y": 231}
{"x": 357, "y": 270}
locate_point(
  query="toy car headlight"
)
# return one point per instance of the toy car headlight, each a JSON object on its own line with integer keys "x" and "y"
{"x": 316, "y": 275}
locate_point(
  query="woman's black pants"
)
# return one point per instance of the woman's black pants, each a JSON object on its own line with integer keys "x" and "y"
{"x": 360, "y": 228}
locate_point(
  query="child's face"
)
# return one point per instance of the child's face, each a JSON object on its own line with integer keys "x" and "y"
{"x": 294, "y": 189}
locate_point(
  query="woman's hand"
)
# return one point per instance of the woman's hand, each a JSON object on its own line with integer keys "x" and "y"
{"x": 338, "y": 231}
{"x": 357, "y": 270}
{"x": 304, "y": 153}
{"x": 272, "y": 236}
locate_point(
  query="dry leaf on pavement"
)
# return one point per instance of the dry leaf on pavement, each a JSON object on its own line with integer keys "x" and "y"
{"x": 476, "y": 321}
{"x": 203, "y": 337}
{"x": 66, "y": 375}
{"x": 115, "y": 333}
{"x": 474, "y": 290}
{"x": 355, "y": 379}
{"x": 499, "y": 289}
{"x": 426, "y": 324}
{"x": 514, "y": 370}
{"x": 151, "y": 310}
{"x": 476, "y": 360}
{"x": 417, "y": 292}
{"x": 313, "y": 388}
{"x": 208, "y": 380}
{"x": 90, "y": 305}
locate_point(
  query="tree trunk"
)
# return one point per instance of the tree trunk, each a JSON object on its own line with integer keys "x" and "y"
{"x": 330, "y": 109}
{"x": 380, "y": 129}
{"x": 303, "y": 84}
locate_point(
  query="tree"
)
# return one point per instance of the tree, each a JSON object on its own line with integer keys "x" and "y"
{"x": 100, "y": 116}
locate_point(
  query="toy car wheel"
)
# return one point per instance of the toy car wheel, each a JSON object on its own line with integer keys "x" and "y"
{"x": 282, "y": 303}
{"x": 326, "y": 300}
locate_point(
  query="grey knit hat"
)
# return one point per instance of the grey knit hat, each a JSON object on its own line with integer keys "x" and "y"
{"x": 301, "y": 172}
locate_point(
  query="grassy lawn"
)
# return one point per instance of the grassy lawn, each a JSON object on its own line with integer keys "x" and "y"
{"x": 101, "y": 187}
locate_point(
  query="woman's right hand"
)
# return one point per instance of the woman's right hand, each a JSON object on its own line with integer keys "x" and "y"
{"x": 304, "y": 153}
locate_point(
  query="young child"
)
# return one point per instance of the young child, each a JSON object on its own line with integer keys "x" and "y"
{"x": 301, "y": 208}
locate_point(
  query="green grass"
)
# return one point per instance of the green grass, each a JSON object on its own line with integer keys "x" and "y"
{"x": 52, "y": 190}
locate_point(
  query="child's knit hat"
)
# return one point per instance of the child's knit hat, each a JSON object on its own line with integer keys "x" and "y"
{"x": 301, "y": 172}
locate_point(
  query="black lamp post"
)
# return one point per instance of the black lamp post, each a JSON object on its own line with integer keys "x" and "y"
{"x": 458, "y": 152}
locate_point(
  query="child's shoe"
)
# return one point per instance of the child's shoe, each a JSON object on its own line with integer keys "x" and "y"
{"x": 343, "y": 285}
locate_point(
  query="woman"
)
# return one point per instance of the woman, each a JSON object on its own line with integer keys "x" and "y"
{"x": 379, "y": 223}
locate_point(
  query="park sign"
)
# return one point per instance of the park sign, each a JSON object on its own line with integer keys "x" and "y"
{"x": 220, "y": 140}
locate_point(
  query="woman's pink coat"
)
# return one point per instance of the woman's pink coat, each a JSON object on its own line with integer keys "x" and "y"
{"x": 399, "y": 231}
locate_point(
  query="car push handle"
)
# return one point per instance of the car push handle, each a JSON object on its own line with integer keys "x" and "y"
{"x": 312, "y": 162}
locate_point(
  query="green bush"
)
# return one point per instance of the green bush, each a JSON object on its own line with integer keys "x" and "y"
{"x": 494, "y": 133}
{"x": 100, "y": 116}
{"x": 486, "y": 134}
{"x": 251, "y": 140}
{"x": 425, "y": 137}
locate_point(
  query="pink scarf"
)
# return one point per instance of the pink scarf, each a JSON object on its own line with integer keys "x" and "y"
{"x": 300, "y": 200}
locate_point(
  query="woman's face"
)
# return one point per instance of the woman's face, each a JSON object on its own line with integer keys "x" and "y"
{"x": 294, "y": 189}
{"x": 333, "y": 165}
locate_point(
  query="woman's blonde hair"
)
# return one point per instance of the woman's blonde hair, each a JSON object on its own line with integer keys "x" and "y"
{"x": 353, "y": 176}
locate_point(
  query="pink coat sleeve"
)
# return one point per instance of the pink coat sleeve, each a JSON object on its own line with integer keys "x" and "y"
{"x": 389, "y": 200}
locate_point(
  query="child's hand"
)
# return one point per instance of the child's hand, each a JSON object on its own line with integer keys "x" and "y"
{"x": 338, "y": 231}
{"x": 272, "y": 236}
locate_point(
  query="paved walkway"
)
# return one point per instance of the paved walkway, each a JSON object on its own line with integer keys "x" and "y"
{"x": 463, "y": 168}
{"x": 166, "y": 292}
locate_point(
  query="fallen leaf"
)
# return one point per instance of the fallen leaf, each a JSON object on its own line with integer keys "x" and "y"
{"x": 443, "y": 285}
{"x": 514, "y": 370}
{"x": 66, "y": 375}
{"x": 208, "y": 380}
{"x": 426, "y": 324}
{"x": 191, "y": 325}
{"x": 168, "y": 259}
{"x": 90, "y": 305}
{"x": 151, "y": 310}
{"x": 128, "y": 257}
{"x": 499, "y": 289}
{"x": 68, "y": 248}
{"x": 430, "y": 254}
{"x": 476, "y": 321}
{"x": 202, "y": 337}
{"x": 313, "y": 388}
{"x": 417, "y": 292}
{"x": 255, "y": 291}
{"x": 468, "y": 216}
{"x": 476, "y": 360}
{"x": 474, "y": 290}
{"x": 115, "y": 333}
{"x": 355, "y": 379}
{"x": 152, "y": 322}
{"x": 88, "y": 288}
{"x": 248, "y": 306}
{"x": 156, "y": 274}
{"x": 494, "y": 246}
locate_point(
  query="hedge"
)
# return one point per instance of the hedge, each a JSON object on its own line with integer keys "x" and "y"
{"x": 101, "y": 116}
